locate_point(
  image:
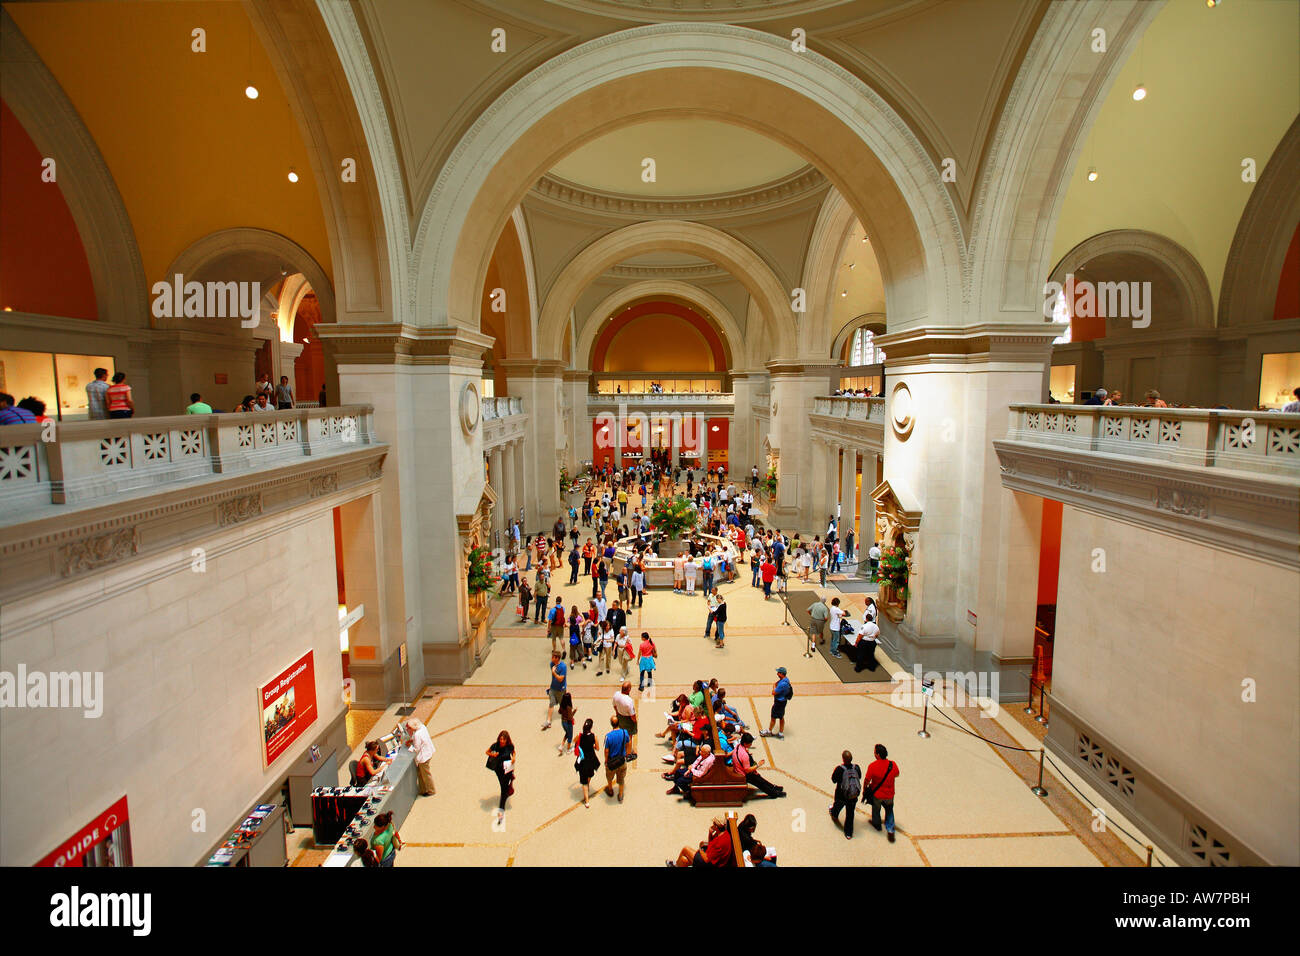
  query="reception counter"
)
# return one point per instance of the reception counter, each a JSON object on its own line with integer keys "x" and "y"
{"x": 395, "y": 792}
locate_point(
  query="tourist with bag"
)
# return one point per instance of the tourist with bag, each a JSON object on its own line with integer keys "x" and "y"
{"x": 881, "y": 774}
{"x": 847, "y": 778}
{"x": 501, "y": 761}
{"x": 617, "y": 742}
{"x": 586, "y": 763}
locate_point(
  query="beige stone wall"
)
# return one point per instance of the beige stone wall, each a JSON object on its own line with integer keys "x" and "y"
{"x": 182, "y": 654}
{"x": 1152, "y": 652}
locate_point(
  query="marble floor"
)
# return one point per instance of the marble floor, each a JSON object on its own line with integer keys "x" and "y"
{"x": 961, "y": 800}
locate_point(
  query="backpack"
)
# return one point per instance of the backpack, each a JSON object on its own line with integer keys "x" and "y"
{"x": 851, "y": 782}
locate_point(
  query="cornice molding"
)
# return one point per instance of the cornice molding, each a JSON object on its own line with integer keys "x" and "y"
{"x": 1254, "y": 515}
{"x": 366, "y": 344}
{"x": 707, "y": 271}
{"x": 60, "y": 548}
{"x": 800, "y": 186}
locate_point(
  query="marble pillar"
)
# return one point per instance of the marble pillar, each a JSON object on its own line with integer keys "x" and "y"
{"x": 848, "y": 489}
{"x": 867, "y": 504}
{"x": 794, "y": 388}
{"x": 519, "y": 471}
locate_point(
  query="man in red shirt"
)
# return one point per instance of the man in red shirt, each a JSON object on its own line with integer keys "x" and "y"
{"x": 768, "y": 570}
{"x": 715, "y": 851}
{"x": 879, "y": 788}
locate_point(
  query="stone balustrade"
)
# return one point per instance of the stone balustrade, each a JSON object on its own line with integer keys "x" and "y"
{"x": 1261, "y": 442}
{"x": 503, "y": 407}
{"x": 667, "y": 400}
{"x": 76, "y": 463}
{"x": 847, "y": 407}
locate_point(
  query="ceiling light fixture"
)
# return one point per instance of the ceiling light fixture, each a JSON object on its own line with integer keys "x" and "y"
{"x": 844, "y": 293}
{"x": 1211, "y": 3}
{"x": 1140, "y": 93}
{"x": 250, "y": 91}
{"x": 293, "y": 176}
{"x": 715, "y": 428}
{"x": 1092, "y": 175}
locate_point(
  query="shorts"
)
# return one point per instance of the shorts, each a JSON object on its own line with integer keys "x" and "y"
{"x": 553, "y": 696}
{"x": 619, "y": 775}
{"x": 778, "y": 709}
{"x": 626, "y": 723}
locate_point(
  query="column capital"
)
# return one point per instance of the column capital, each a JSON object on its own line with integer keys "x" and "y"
{"x": 1001, "y": 341}
{"x": 800, "y": 367}
{"x": 533, "y": 368}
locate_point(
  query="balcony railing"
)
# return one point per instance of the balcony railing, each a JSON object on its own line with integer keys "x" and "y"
{"x": 502, "y": 407}
{"x": 79, "y": 462}
{"x": 664, "y": 399}
{"x": 1267, "y": 442}
{"x": 852, "y": 409}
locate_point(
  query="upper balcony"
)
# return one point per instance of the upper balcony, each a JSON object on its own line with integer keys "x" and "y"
{"x": 1227, "y": 479}
{"x": 715, "y": 402}
{"x": 850, "y": 409}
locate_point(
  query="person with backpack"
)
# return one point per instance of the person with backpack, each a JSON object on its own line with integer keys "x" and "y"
{"x": 559, "y": 684}
{"x": 847, "y": 778}
{"x": 617, "y": 742}
{"x": 554, "y": 621}
{"x": 782, "y": 691}
{"x": 881, "y": 774}
{"x": 574, "y": 558}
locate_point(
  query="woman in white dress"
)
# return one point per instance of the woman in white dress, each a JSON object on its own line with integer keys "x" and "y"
{"x": 690, "y": 570}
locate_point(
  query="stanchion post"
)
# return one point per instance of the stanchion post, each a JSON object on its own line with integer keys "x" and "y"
{"x": 925, "y": 717}
{"x": 1029, "y": 704}
{"x": 1042, "y": 694}
{"x": 1150, "y": 850}
{"x": 1040, "y": 790}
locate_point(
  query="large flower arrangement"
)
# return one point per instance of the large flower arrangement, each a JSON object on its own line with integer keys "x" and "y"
{"x": 894, "y": 570}
{"x": 566, "y": 482}
{"x": 480, "y": 571}
{"x": 770, "y": 481}
{"x": 672, "y": 516}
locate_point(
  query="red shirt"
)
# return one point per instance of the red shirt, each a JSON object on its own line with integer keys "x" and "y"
{"x": 769, "y": 572}
{"x": 718, "y": 852}
{"x": 877, "y": 770}
{"x": 118, "y": 397}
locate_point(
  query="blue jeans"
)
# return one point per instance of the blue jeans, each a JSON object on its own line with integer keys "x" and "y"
{"x": 389, "y": 860}
{"x": 876, "y": 804}
{"x": 720, "y": 625}
{"x": 835, "y": 640}
{"x": 754, "y": 581}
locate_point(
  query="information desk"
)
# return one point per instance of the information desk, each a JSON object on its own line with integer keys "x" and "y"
{"x": 305, "y": 777}
{"x": 395, "y": 792}
{"x": 659, "y": 571}
{"x": 258, "y": 841}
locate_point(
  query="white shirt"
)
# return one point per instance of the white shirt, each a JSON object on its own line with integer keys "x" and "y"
{"x": 874, "y": 553}
{"x": 607, "y": 638}
{"x": 624, "y": 705}
{"x": 422, "y": 745}
{"x": 638, "y": 580}
{"x": 690, "y": 568}
{"x": 871, "y": 630}
{"x": 601, "y": 609}
{"x": 1291, "y": 407}
{"x": 837, "y": 613}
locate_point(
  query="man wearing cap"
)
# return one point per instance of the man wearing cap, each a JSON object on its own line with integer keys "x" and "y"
{"x": 782, "y": 691}
{"x": 741, "y": 760}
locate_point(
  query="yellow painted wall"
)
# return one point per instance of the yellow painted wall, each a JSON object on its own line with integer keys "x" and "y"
{"x": 1222, "y": 84}
{"x": 189, "y": 152}
{"x": 658, "y": 343}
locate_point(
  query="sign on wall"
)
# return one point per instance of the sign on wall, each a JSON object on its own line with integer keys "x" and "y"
{"x": 104, "y": 841}
{"x": 288, "y": 707}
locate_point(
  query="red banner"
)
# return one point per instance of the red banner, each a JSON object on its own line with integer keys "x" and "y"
{"x": 288, "y": 707}
{"x": 77, "y": 850}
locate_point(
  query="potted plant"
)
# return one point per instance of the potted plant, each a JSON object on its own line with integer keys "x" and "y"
{"x": 672, "y": 517}
{"x": 479, "y": 573}
{"x": 770, "y": 481}
{"x": 893, "y": 575}
{"x": 565, "y": 482}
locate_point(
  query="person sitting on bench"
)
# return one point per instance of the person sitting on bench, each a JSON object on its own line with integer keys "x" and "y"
{"x": 741, "y": 760}
{"x": 683, "y": 779}
{"x": 716, "y": 850}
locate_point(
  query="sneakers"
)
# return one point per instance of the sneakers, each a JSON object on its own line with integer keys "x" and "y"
{"x": 761, "y": 733}
{"x": 891, "y": 836}
{"x": 669, "y": 758}
{"x": 546, "y": 726}
{"x": 778, "y": 735}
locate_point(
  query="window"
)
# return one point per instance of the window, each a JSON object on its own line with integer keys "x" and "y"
{"x": 864, "y": 351}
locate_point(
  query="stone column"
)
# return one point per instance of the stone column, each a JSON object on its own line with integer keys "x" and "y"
{"x": 848, "y": 490}
{"x": 829, "y": 466}
{"x": 744, "y": 451}
{"x": 509, "y": 495}
{"x": 944, "y": 415}
{"x": 576, "y": 383}
{"x": 500, "y": 513}
{"x": 794, "y": 387}
{"x": 539, "y": 383}
{"x": 416, "y": 380}
{"x": 867, "y": 525}
{"x": 519, "y": 494}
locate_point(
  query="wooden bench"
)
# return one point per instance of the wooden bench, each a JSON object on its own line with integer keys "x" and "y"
{"x": 723, "y": 785}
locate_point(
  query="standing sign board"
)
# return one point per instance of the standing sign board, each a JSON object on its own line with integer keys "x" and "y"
{"x": 288, "y": 707}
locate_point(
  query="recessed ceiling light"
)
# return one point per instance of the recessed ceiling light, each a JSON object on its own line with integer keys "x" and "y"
{"x": 9, "y": 308}
{"x": 1092, "y": 175}
{"x": 1140, "y": 93}
{"x": 1211, "y": 3}
{"x": 293, "y": 176}
{"x": 250, "y": 91}
{"x": 715, "y": 428}
{"x": 844, "y": 293}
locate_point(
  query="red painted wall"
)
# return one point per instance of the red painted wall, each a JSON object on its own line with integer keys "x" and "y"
{"x": 719, "y": 442}
{"x": 309, "y": 367}
{"x": 611, "y": 329}
{"x": 601, "y": 456}
{"x": 43, "y": 266}
{"x": 1049, "y": 552}
{"x": 1287, "y": 305}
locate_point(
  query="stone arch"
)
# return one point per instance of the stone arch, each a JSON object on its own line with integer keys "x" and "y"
{"x": 253, "y": 255}
{"x": 706, "y": 302}
{"x": 1049, "y": 111}
{"x": 668, "y": 234}
{"x": 1128, "y": 255}
{"x": 88, "y": 187}
{"x": 872, "y": 320}
{"x": 741, "y": 76}
{"x": 1254, "y": 267}
{"x": 821, "y": 265}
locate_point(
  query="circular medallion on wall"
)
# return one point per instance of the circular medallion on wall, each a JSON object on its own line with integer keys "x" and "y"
{"x": 900, "y": 410}
{"x": 470, "y": 407}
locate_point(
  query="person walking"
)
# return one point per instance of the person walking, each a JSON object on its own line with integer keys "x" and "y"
{"x": 638, "y": 586}
{"x": 555, "y": 622}
{"x": 541, "y": 590}
{"x": 608, "y": 638}
{"x": 769, "y": 572}
{"x": 720, "y": 617}
{"x": 625, "y": 711}
{"x": 567, "y": 715}
{"x": 574, "y": 558}
{"x": 559, "y": 684}
{"x": 847, "y": 778}
{"x": 617, "y": 742}
{"x": 586, "y": 762}
{"x": 283, "y": 394}
{"x": 645, "y": 660}
{"x": 782, "y": 691}
{"x": 421, "y": 744}
{"x": 96, "y": 395}
{"x": 881, "y": 774}
{"x": 501, "y": 761}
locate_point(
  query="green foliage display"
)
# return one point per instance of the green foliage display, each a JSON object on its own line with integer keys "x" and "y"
{"x": 894, "y": 570}
{"x": 480, "y": 571}
{"x": 672, "y": 516}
